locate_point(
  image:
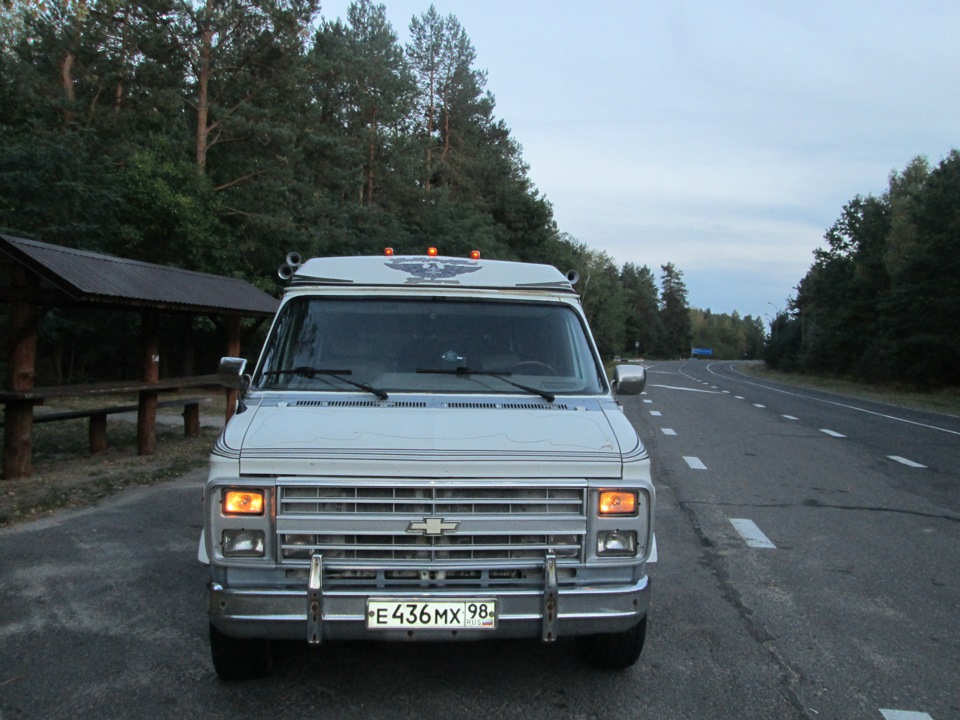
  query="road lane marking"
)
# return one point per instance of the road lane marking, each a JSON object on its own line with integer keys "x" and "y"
{"x": 904, "y": 461}
{"x": 843, "y": 405}
{"x": 655, "y": 413}
{"x": 738, "y": 397}
{"x": 751, "y": 534}
{"x": 789, "y": 417}
{"x": 672, "y": 387}
{"x": 694, "y": 463}
{"x": 905, "y": 715}
{"x": 668, "y": 431}
{"x": 832, "y": 433}
{"x": 758, "y": 405}
{"x": 648, "y": 402}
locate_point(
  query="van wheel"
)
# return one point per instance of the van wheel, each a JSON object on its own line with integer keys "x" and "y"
{"x": 613, "y": 651}
{"x": 240, "y": 658}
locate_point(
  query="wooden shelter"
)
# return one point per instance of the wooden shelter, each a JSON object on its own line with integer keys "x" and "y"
{"x": 36, "y": 277}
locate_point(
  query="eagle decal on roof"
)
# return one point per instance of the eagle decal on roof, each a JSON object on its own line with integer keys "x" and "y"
{"x": 433, "y": 270}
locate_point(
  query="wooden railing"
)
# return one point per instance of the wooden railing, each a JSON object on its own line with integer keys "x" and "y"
{"x": 19, "y": 415}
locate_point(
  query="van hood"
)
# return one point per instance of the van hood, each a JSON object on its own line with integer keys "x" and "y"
{"x": 462, "y": 437}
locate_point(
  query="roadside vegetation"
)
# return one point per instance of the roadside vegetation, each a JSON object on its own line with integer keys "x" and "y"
{"x": 945, "y": 400}
{"x": 220, "y": 136}
{"x": 881, "y": 302}
{"x": 66, "y": 475}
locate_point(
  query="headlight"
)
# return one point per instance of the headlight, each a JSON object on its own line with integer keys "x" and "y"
{"x": 243, "y": 502}
{"x": 618, "y": 502}
{"x": 243, "y": 543}
{"x": 616, "y": 543}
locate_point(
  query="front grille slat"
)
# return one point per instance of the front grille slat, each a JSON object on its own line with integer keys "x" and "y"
{"x": 508, "y": 524}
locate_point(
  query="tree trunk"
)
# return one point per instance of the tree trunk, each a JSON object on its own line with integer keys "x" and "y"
{"x": 430, "y": 110}
{"x": 66, "y": 81}
{"x": 203, "y": 90}
{"x": 118, "y": 93}
{"x": 371, "y": 157}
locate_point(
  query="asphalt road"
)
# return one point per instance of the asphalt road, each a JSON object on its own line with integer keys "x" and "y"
{"x": 850, "y": 610}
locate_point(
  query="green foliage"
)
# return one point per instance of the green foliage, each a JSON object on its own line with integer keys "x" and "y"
{"x": 219, "y": 135}
{"x": 730, "y": 337}
{"x": 881, "y": 302}
{"x": 675, "y": 340}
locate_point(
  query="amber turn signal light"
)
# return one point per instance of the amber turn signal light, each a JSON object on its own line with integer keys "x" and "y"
{"x": 618, "y": 502}
{"x": 243, "y": 502}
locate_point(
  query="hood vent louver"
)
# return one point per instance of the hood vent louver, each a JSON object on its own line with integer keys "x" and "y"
{"x": 358, "y": 404}
{"x": 420, "y": 404}
{"x": 502, "y": 406}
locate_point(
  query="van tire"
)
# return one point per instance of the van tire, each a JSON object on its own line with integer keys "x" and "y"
{"x": 240, "y": 658}
{"x": 613, "y": 651}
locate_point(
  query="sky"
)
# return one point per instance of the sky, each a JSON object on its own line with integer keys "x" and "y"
{"x": 724, "y": 137}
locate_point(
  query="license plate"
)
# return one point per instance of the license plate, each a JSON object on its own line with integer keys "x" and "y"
{"x": 452, "y": 614}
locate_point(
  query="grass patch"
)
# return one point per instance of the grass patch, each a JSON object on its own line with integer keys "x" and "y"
{"x": 943, "y": 401}
{"x": 66, "y": 475}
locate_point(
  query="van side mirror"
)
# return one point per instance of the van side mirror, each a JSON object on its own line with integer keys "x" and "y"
{"x": 629, "y": 379}
{"x": 231, "y": 374}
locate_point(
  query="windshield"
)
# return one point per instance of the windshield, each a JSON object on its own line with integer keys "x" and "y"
{"x": 435, "y": 345}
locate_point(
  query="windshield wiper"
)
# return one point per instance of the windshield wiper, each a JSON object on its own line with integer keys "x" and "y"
{"x": 501, "y": 374}
{"x": 309, "y": 372}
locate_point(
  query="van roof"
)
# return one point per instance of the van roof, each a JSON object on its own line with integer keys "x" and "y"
{"x": 420, "y": 270}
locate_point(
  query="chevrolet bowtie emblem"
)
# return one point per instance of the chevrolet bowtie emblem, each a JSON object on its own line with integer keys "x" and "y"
{"x": 432, "y": 526}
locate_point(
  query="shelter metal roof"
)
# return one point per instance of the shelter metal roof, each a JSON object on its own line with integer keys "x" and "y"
{"x": 93, "y": 277}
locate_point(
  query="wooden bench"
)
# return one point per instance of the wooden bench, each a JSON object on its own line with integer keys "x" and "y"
{"x": 20, "y": 416}
{"x": 98, "y": 418}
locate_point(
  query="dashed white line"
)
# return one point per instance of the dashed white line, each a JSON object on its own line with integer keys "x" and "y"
{"x": 738, "y": 397}
{"x": 832, "y": 433}
{"x": 694, "y": 463}
{"x": 668, "y": 431}
{"x": 789, "y": 417}
{"x": 905, "y": 715}
{"x": 672, "y": 387}
{"x": 751, "y": 534}
{"x": 758, "y": 405}
{"x": 904, "y": 461}
{"x": 655, "y": 413}
{"x": 648, "y": 402}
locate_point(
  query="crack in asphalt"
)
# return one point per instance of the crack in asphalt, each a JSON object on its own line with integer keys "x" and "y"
{"x": 814, "y": 503}
{"x": 790, "y": 677}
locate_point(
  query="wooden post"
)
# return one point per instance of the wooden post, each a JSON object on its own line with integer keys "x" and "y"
{"x": 191, "y": 420}
{"x": 233, "y": 350}
{"x": 147, "y": 410}
{"x": 18, "y": 433}
{"x": 97, "y": 431}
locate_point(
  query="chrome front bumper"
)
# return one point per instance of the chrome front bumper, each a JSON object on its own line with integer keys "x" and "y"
{"x": 318, "y": 614}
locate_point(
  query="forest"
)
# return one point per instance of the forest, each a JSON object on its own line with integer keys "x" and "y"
{"x": 218, "y": 135}
{"x": 881, "y": 302}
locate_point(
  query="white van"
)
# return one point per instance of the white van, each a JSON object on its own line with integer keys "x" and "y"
{"x": 428, "y": 449}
